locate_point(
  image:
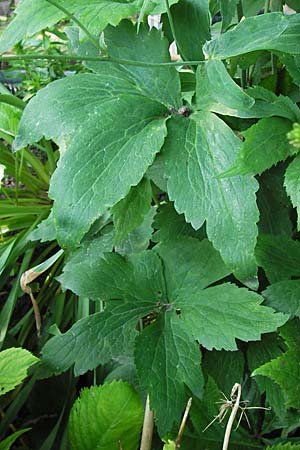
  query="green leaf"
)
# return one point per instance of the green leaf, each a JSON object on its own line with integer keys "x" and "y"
{"x": 228, "y": 12}
{"x": 167, "y": 360}
{"x": 190, "y": 265}
{"x": 9, "y": 118}
{"x": 169, "y": 445}
{"x": 273, "y": 31}
{"x": 285, "y": 370}
{"x": 129, "y": 212}
{"x": 278, "y": 256}
{"x": 284, "y": 296}
{"x": 192, "y": 24}
{"x": 33, "y": 16}
{"x": 226, "y": 368}
{"x": 8, "y": 442}
{"x": 45, "y": 231}
{"x": 287, "y": 446}
{"x": 273, "y": 204}
{"x": 14, "y": 365}
{"x": 265, "y": 144}
{"x": 117, "y": 411}
{"x": 171, "y": 225}
{"x": 292, "y": 185}
{"x": 138, "y": 240}
{"x": 269, "y": 104}
{"x": 161, "y": 84}
{"x": 258, "y": 353}
{"x": 220, "y": 314}
{"x": 292, "y": 64}
{"x": 94, "y": 340}
{"x": 207, "y": 146}
{"x": 124, "y": 156}
{"x": 216, "y": 91}
{"x": 110, "y": 276}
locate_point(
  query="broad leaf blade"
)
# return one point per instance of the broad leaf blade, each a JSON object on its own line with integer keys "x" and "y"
{"x": 167, "y": 360}
{"x": 14, "y": 364}
{"x": 219, "y": 315}
{"x": 118, "y": 412}
{"x": 292, "y": 185}
{"x": 228, "y": 12}
{"x": 216, "y": 91}
{"x": 94, "y": 340}
{"x": 110, "y": 276}
{"x": 265, "y": 144}
{"x": 272, "y": 31}
{"x": 207, "y": 146}
{"x": 190, "y": 265}
{"x": 85, "y": 109}
{"x": 129, "y": 212}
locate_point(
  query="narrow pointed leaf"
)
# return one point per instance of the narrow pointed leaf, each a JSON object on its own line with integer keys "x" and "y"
{"x": 207, "y": 147}
{"x": 221, "y": 314}
{"x": 228, "y": 12}
{"x": 129, "y": 212}
{"x": 167, "y": 360}
{"x": 273, "y": 31}
{"x": 292, "y": 185}
{"x": 265, "y": 144}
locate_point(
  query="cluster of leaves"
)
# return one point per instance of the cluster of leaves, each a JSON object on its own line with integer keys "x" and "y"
{"x": 176, "y": 201}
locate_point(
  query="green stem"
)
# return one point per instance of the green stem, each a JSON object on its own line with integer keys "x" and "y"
{"x": 173, "y": 29}
{"x": 267, "y": 6}
{"x": 125, "y": 62}
{"x": 75, "y": 20}
{"x": 277, "y": 5}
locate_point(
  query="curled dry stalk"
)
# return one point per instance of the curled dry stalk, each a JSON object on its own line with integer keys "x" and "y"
{"x": 235, "y": 404}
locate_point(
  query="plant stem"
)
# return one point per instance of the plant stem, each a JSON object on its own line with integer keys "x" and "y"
{"x": 125, "y": 62}
{"x": 267, "y": 6}
{"x": 80, "y": 24}
{"x": 277, "y": 5}
{"x": 173, "y": 29}
{"x": 148, "y": 426}
{"x": 183, "y": 422}
{"x": 237, "y": 387}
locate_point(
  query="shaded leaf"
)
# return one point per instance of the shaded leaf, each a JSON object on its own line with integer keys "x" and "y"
{"x": 129, "y": 212}
{"x": 118, "y": 412}
{"x": 285, "y": 370}
{"x": 8, "y": 442}
{"x": 228, "y": 12}
{"x": 284, "y": 296}
{"x": 278, "y": 256}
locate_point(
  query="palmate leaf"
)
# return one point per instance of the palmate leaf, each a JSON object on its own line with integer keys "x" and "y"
{"x": 285, "y": 370}
{"x": 173, "y": 290}
{"x": 272, "y": 31}
{"x": 84, "y": 109}
{"x": 118, "y": 412}
{"x": 207, "y": 147}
